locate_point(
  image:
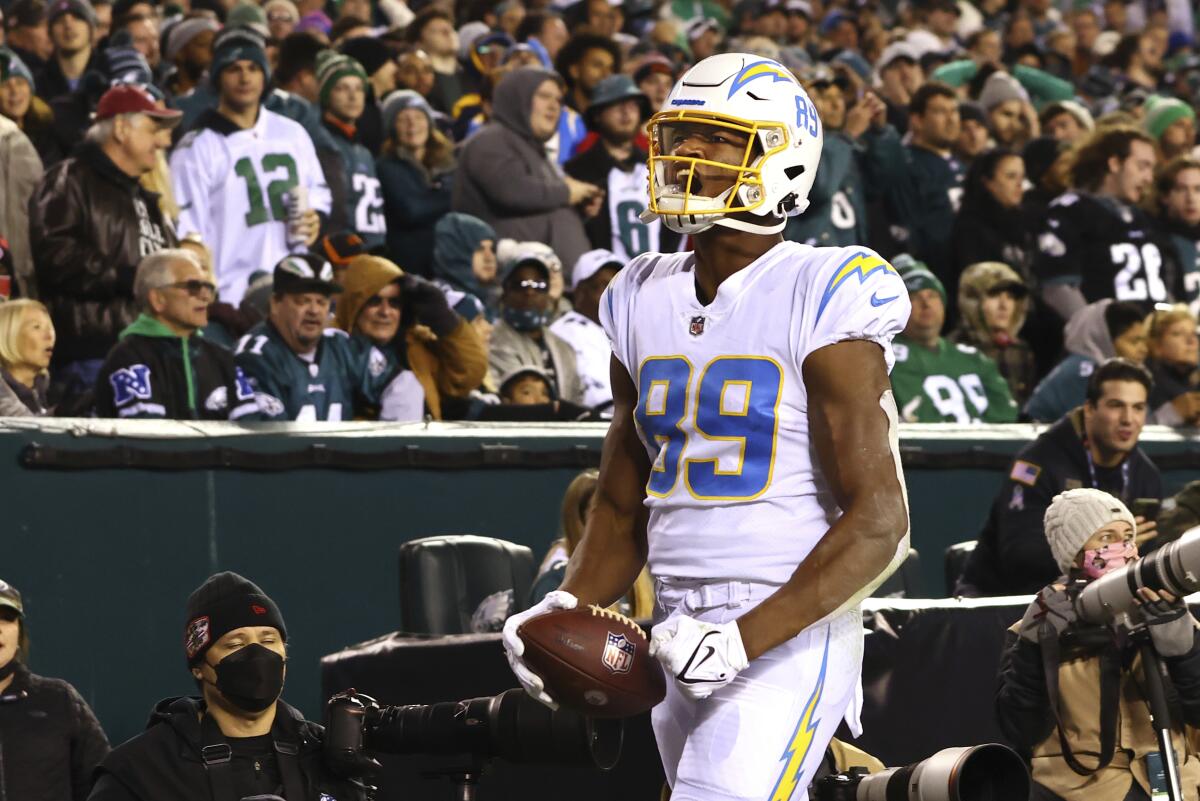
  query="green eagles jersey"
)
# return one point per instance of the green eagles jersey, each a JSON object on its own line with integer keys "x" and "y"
{"x": 364, "y": 193}
{"x": 954, "y": 384}
{"x": 342, "y": 375}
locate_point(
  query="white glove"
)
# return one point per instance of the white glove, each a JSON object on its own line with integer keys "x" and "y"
{"x": 703, "y": 657}
{"x": 514, "y": 647}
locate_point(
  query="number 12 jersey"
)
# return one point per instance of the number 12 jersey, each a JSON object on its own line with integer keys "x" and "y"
{"x": 734, "y": 490}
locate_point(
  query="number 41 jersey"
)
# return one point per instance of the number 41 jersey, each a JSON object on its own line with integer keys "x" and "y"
{"x": 734, "y": 491}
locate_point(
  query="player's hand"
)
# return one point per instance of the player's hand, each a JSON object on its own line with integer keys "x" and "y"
{"x": 514, "y": 647}
{"x": 309, "y": 226}
{"x": 703, "y": 657}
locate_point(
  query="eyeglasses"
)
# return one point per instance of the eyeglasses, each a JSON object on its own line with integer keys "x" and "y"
{"x": 376, "y": 300}
{"x": 529, "y": 283}
{"x": 195, "y": 288}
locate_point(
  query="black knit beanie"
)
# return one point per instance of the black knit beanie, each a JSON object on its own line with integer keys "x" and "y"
{"x": 226, "y": 601}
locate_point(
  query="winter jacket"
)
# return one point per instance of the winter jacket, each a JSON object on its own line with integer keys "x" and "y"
{"x": 50, "y": 741}
{"x": 1088, "y": 345}
{"x": 1170, "y": 381}
{"x": 32, "y": 398}
{"x": 986, "y": 231}
{"x": 154, "y": 373}
{"x": 10, "y": 403}
{"x": 1012, "y": 556}
{"x": 20, "y": 171}
{"x": 506, "y": 180}
{"x": 456, "y": 238}
{"x": 1012, "y": 355}
{"x": 164, "y": 761}
{"x": 1024, "y": 714}
{"x": 445, "y": 364}
{"x": 52, "y": 83}
{"x": 512, "y": 349}
{"x": 90, "y": 225}
{"x": 414, "y": 199}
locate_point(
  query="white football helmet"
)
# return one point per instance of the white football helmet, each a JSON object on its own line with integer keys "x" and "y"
{"x": 749, "y": 95}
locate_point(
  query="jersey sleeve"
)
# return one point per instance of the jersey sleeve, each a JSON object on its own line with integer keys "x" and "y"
{"x": 255, "y": 367}
{"x": 1059, "y": 242}
{"x": 853, "y": 294}
{"x": 191, "y": 181}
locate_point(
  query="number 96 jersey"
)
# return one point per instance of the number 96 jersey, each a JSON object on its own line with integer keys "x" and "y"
{"x": 734, "y": 490}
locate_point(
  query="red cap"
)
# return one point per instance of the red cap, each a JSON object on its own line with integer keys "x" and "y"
{"x": 129, "y": 99}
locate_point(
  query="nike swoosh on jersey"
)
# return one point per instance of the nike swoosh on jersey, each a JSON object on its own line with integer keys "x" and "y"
{"x": 878, "y": 301}
{"x": 862, "y": 264}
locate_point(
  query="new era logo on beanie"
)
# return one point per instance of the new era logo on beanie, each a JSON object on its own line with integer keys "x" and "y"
{"x": 226, "y": 601}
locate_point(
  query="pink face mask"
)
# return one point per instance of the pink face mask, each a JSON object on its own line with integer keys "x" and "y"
{"x": 1098, "y": 561}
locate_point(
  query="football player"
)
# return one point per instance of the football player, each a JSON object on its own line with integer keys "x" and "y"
{"x": 752, "y": 458}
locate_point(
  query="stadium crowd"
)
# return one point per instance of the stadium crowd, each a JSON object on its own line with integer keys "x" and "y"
{"x": 308, "y": 211}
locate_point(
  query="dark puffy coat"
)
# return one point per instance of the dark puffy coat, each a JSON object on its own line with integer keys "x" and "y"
{"x": 50, "y": 742}
{"x": 90, "y": 225}
{"x": 413, "y": 201}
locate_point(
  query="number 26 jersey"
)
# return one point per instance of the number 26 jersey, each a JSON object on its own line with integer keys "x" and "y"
{"x": 734, "y": 490}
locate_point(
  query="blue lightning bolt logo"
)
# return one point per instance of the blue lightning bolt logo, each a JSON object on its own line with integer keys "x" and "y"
{"x": 862, "y": 264}
{"x": 802, "y": 738}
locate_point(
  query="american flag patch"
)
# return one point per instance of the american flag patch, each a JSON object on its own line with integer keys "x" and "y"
{"x": 1025, "y": 473}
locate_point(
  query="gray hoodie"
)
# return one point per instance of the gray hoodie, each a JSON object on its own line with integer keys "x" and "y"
{"x": 505, "y": 178}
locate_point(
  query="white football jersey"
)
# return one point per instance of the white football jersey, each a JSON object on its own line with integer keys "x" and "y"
{"x": 734, "y": 492}
{"x": 230, "y": 187}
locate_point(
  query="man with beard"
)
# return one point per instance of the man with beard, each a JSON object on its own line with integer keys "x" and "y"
{"x": 189, "y": 48}
{"x": 239, "y": 739}
{"x": 616, "y": 164}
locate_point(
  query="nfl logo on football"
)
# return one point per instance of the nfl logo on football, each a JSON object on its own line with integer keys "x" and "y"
{"x": 618, "y": 653}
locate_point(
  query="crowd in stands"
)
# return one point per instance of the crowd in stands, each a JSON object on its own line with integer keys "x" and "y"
{"x": 215, "y": 209}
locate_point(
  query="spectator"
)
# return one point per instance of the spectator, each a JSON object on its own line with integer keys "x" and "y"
{"x": 581, "y": 328}
{"x": 282, "y": 16}
{"x": 526, "y": 386}
{"x": 1172, "y": 124}
{"x": 235, "y": 642}
{"x": 189, "y": 50}
{"x": 73, "y": 112}
{"x": 163, "y": 367}
{"x": 545, "y": 32}
{"x": 300, "y": 371}
{"x": 934, "y": 380}
{"x": 416, "y": 170}
{"x": 505, "y": 178}
{"x": 585, "y": 61}
{"x": 1093, "y": 335}
{"x": 91, "y": 223}
{"x": 1177, "y": 207}
{"x": 52, "y": 758}
{"x": 382, "y": 71}
{"x": 1174, "y": 364}
{"x": 510, "y": 251}
{"x": 26, "y": 346}
{"x": 343, "y": 92}
{"x": 974, "y": 138}
{"x": 617, "y": 113}
{"x": 522, "y": 339}
{"x": 990, "y": 226}
{"x": 993, "y": 303}
{"x": 1066, "y": 121}
{"x": 1094, "y": 446}
{"x": 464, "y": 263}
{"x": 1093, "y": 242}
{"x": 72, "y": 23}
{"x": 19, "y": 103}
{"x": 28, "y": 34}
{"x": 415, "y": 71}
{"x": 899, "y": 77}
{"x": 704, "y": 34}
{"x": 230, "y": 175}
{"x": 296, "y": 67}
{"x": 1091, "y": 534}
{"x": 655, "y": 78}
{"x": 433, "y": 31}
{"x": 20, "y": 173}
{"x": 142, "y": 30}
{"x": 438, "y": 354}
{"x": 1011, "y": 117}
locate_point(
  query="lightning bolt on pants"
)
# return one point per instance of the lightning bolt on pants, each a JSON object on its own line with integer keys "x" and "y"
{"x": 761, "y": 737}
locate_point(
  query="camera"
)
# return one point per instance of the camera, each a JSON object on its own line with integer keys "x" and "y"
{"x": 990, "y": 772}
{"x": 1175, "y": 567}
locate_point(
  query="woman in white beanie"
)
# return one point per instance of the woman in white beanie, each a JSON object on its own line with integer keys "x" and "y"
{"x": 1091, "y": 533}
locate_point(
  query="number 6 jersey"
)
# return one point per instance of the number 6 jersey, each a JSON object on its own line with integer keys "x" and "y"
{"x": 734, "y": 491}
{"x": 230, "y": 185}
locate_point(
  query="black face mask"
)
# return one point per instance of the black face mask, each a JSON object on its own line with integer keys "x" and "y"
{"x": 251, "y": 677}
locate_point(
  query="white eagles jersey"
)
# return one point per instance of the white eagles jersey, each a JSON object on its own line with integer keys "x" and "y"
{"x": 230, "y": 185}
{"x": 734, "y": 492}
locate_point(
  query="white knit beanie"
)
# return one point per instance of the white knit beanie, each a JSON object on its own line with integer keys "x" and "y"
{"x": 1074, "y": 516}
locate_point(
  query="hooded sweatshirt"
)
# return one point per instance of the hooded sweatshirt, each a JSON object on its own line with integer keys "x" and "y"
{"x": 1010, "y": 353}
{"x": 456, "y": 238}
{"x": 154, "y": 373}
{"x": 1088, "y": 344}
{"x": 452, "y": 364}
{"x": 506, "y": 179}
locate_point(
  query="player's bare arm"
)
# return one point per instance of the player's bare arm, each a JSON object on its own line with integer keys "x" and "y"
{"x": 613, "y": 549}
{"x": 850, "y": 430}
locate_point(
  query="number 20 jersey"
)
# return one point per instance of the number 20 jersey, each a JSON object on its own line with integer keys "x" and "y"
{"x": 735, "y": 491}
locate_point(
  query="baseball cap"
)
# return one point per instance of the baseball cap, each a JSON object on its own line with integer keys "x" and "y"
{"x": 25, "y": 14}
{"x": 652, "y": 66}
{"x": 10, "y": 598}
{"x": 131, "y": 99}
{"x": 304, "y": 272}
{"x": 698, "y": 26}
{"x": 799, "y": 7}
{"x": 591, "y": 263}
{"x": 895, "y": 51}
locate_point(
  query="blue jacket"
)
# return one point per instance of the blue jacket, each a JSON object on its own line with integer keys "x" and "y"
{"x": 1062, "y": 390}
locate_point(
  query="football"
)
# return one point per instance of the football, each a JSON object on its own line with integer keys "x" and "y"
{"x": 594, "y": 661}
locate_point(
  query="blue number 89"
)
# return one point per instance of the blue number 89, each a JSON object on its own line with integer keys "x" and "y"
{"x": 806, "y": 115}
{"x": 736, "y": 401}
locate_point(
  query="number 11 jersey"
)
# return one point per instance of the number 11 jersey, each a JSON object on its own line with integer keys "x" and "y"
{"x": 735, "y": 491}
{"x": 230, "y": 185}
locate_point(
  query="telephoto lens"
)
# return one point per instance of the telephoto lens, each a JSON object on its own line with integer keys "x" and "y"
{"x": 1175, "y": 567}
{"x": 990, "y": 772}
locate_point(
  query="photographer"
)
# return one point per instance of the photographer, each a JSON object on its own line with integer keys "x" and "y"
{"x": 1093, "y": 733}
{"x": 239, "y": 739}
